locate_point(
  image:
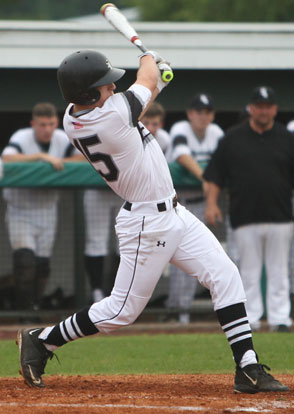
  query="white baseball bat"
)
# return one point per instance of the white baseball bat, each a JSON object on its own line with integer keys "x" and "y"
{"x": 122, "y": 25}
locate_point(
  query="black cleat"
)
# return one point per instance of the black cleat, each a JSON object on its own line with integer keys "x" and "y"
{"x": 253, "y": 378}
{"x": 33, "y": 356}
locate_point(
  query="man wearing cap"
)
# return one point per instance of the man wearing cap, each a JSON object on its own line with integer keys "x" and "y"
{"x": 193, "y": 142}
{"x": 255, "y": 160}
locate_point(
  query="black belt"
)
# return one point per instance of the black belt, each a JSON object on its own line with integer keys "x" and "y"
{"x": 160, "y": 206}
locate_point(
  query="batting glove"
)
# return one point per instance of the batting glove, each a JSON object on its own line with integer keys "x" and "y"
{"x": 164, "y": 73}
{"x": 155, "y": 55}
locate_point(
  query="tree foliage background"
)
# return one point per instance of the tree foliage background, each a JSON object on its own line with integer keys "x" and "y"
{"x": 218, "y": 10}
{"x": 156, "y": 10}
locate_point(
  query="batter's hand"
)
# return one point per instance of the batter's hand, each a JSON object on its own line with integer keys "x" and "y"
{"x": 213, "y": 214}
{"x": 56, "y": 162}
{"x": 162, "y": 67}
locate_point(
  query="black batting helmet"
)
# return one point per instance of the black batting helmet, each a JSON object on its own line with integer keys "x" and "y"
{"x": 80, "y": 73}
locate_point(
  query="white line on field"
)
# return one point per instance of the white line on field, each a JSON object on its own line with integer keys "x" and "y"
{"x": 53, "y": 405}
{"x": 248, "y": 410}
{"x": 259, "y": 408}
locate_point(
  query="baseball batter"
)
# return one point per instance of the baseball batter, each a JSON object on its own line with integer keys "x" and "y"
{"x": 32, "y": 213}
{"x": 152, "y": 228}
{"x": 100, "y": 207}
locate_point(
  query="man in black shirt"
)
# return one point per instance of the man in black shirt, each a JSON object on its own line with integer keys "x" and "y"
{"x": 255, "y": 160}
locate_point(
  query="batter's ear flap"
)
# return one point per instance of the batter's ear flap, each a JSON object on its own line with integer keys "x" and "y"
{"x": 94, "y": 94}
{"x": 90, "y": 96}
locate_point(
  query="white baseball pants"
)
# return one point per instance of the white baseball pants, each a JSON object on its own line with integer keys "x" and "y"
{"x": 268, "y": 244}
{"x": 148, "y": 240}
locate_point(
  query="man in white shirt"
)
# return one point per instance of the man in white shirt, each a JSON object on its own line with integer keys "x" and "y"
{"x": 152, "y": 228}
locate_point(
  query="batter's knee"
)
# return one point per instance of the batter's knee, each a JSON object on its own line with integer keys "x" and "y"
{"x": 112, "y": 313}
{"x": 226, "y": 285}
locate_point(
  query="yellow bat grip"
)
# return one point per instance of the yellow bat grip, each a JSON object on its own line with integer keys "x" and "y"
{"x": 167, "y": 76}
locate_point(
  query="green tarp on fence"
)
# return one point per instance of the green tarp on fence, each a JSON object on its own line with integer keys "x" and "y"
{"x": 74, "y": 174}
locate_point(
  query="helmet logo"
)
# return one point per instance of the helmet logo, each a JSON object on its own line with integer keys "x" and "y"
{"x": 108, "y": 64}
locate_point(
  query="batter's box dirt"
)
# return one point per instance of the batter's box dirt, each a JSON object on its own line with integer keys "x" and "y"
{"x": 140, "y": 394}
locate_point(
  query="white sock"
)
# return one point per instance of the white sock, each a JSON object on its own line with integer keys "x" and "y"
{"x": 44, "y": 335}
{"x": 248, "y": 358}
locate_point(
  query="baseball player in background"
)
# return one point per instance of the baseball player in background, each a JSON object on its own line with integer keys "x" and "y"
{"x": 153, "y": 120}
{"x": 255, "y": 160}
{"x": 100, "y": 208}
{"x": 152, "y": 228}
{"x": 193, "y": 142}
{"x": 290, "y": 127}
{"x": 32, "y": 213}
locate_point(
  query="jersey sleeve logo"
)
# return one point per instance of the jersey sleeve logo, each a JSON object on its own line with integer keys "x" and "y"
{"x": 77, "y": 125}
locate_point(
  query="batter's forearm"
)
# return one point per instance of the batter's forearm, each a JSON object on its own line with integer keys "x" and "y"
{"x": 147, "y": 73}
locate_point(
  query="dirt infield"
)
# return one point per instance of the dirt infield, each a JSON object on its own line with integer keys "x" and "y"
{"x": 139, "y": 394}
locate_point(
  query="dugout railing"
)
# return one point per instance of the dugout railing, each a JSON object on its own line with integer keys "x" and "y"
{"x": 68, "y": 286}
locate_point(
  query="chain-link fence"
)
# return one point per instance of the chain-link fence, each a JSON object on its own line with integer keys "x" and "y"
{"x": 51, "y": 222}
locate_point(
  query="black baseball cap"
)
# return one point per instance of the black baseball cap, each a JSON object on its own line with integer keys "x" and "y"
{"x": 263, "y": 94}
{"x": 201, "y": 101}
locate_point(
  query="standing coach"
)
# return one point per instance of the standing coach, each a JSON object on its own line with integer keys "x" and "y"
{"x": 255, "y": 160}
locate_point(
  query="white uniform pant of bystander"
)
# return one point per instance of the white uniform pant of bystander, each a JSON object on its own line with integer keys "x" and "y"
{"x": 267, "y": 244}
{"x": 148, "y": 240}
{"x": 100, "y": 207}
{"x": 33, "y": 229}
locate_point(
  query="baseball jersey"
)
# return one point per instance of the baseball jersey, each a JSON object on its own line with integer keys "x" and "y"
{"x": 185, "y": 141}
{"x": 24, "y": 141}
{"x": 120, "y": 148}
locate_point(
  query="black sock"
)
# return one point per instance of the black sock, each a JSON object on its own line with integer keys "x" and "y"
{"x": 74, "y": 327}
{"x": 235, "y": 324}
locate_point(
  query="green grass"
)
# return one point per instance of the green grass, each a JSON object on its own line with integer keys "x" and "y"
{"x": 156, "y": 354}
